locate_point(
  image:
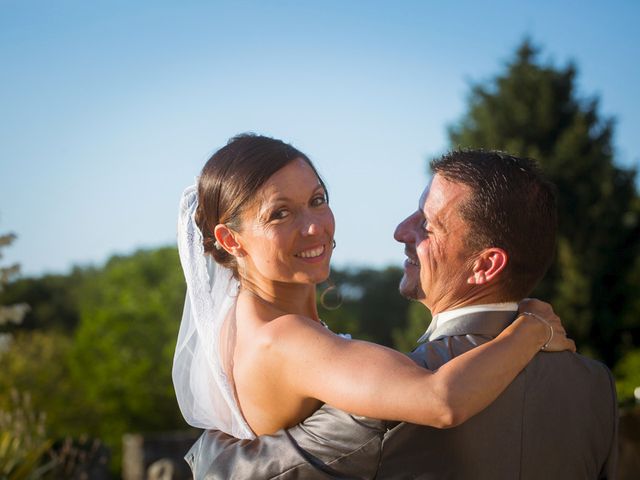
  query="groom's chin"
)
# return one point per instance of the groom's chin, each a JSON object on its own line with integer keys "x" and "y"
{"x": 409, "y": 289}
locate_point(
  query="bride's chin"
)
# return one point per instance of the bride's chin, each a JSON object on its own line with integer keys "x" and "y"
{"x": 317, "y": 274}
{"x": 317, "y": 279}
{"x": 324, "y": 278}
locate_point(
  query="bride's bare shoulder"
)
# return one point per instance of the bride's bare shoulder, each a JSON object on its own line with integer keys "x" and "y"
{"x": 290, "y": 332}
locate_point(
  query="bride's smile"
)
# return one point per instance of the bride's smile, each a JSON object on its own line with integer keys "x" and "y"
{"x": 312, "y": 254}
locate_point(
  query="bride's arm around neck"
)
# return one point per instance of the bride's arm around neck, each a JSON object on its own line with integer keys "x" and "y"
{"x": 301, "y": 358}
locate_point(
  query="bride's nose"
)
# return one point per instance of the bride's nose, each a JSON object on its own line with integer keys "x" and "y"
{"x": 310, "y": 226}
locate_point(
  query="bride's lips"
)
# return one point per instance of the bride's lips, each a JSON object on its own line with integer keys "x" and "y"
{"x": 312, "y": 254}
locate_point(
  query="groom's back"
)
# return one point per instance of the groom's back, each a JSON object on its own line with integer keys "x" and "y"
{"x": 557, "y": 420}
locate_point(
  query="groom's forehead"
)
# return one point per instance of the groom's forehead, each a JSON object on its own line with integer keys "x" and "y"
{"x": 441, "y": 198}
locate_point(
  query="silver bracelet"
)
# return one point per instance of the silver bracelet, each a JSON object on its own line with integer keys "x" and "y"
{"x": 538, "y": 317}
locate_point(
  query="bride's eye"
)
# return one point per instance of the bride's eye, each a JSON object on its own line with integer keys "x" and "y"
{"x": 279, "y": 214}
{"x": 318, "y": 200}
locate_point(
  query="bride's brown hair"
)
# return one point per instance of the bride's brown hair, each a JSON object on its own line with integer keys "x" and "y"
{"x": 229, "y": 182}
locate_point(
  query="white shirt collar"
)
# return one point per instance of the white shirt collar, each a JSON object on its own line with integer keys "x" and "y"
{"x": 449, "y": 315}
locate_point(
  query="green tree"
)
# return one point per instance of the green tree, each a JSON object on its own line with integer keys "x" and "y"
{"x": 122, "y": 352}
{"x": 23, "y": 442}
{"x": 16, "y": 312}
{"x": 627, "y": 374}
{"x": 371, "y": 306}
{"x": 52, "y": 299}
{"x": 533, "y": 109}
{"x": 418, "y": 319}
{"x": 37, "y": 362}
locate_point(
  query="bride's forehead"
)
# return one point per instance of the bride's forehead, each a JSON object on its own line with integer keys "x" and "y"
{"x": 293, "y": 179}
{"x": 294, "y": 169}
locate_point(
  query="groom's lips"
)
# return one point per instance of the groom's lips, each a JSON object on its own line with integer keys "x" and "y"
{"x": 411, "y": 259}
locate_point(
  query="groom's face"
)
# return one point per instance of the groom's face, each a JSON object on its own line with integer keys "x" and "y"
{"x": 438, "y": 262}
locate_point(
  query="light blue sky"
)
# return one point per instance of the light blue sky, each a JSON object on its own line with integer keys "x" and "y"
{"x": 108, "y": 109}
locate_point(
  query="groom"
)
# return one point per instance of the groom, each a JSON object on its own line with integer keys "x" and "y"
{"x": 481, "y": 239}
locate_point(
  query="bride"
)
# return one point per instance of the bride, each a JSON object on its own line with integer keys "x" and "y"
{"x": 255, "y": 237}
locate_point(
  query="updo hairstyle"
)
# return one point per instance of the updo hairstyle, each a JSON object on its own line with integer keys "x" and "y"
{"x": 230, "y": 180}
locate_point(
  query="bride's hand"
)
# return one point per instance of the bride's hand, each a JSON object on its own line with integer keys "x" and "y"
{"x": 542, "y": 312}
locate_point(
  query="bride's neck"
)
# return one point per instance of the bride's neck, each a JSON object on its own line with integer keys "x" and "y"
{"x": 288, "y": 298}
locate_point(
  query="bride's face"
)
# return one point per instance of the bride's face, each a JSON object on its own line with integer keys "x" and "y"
{"x": 287, "y": 235}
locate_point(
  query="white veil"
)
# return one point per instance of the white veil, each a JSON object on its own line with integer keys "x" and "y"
{"x": 204, "y": 392}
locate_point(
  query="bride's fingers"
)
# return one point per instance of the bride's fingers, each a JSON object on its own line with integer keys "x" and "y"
{"x": 572, "y": 345}
{"x": 560, "y": 342}
{"x": 556, "y": 323}
{"x": 537, "y": 307}
{"x": 559, "y": 330}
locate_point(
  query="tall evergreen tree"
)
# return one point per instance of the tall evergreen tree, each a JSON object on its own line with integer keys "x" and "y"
{"x": 533, "y": 109}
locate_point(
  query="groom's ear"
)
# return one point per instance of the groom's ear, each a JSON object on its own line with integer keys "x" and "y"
{"x": 228, "y": 240}
{"x": 487, "y": 266}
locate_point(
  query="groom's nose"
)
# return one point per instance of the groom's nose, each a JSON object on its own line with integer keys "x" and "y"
{"x": 404, "y": 230}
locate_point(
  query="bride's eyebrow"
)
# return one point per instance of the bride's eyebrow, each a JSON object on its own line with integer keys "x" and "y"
{"x": 278, "y": 199}
{"x": 285, "y": 199}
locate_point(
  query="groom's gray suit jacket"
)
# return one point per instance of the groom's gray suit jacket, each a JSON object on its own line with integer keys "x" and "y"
{"x": 557, "y": 420}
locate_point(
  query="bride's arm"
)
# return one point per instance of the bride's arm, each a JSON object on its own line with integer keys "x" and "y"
{"x": 371, "y": 380}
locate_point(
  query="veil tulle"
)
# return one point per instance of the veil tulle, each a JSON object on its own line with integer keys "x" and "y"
{"x": 205, "y": 394}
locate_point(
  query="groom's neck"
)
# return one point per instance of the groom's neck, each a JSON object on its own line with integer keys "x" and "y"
{"x": 482, "y": 298}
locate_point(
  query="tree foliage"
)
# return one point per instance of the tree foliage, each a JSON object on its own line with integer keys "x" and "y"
{"x": 10, "y": 313}
{"x": 533, "y": 109}
{"x": 122, "y": 351}
{"x": 405, "y": 336}
{"x": 23, "y": 442}
{"x": 371, "y": 307}
{"x": 104, "y": 369}
{"x": 627, "y": 374}
{"x": 37, "y": 363}
{"x": 52, "y": 299}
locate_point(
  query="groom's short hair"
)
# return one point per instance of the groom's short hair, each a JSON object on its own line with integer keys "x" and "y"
{"x": 511, "y": 206}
